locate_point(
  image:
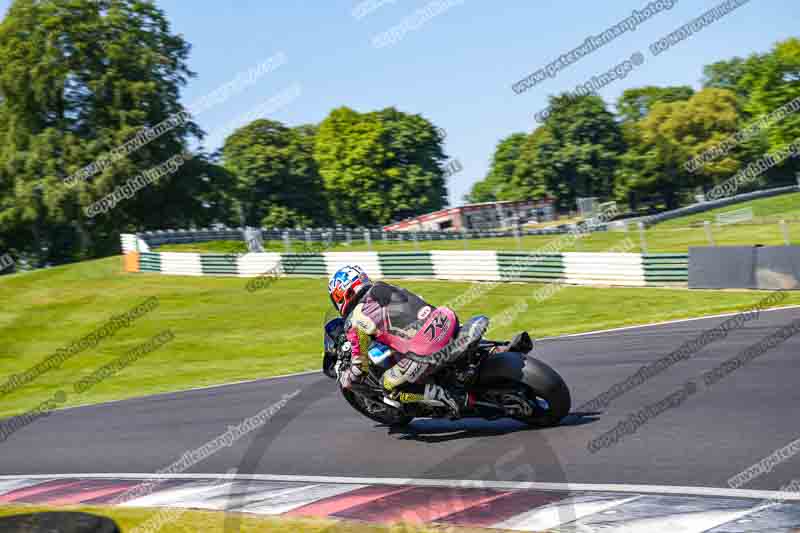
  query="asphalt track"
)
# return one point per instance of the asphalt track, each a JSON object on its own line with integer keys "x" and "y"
{"x": 715, "y": 434}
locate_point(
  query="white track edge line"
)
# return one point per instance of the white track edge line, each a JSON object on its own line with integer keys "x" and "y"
{"x": 309, "y": 372}
{"x": 668, "y": 322}
{"x": 450, "y": 483}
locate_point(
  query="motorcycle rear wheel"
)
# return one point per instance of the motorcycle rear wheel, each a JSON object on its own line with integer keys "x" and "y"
{"x": 543, "y": 388}
{"x": 551, "y": 408}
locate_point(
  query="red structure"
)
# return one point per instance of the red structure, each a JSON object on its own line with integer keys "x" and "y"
{"x": 487, "y": 215}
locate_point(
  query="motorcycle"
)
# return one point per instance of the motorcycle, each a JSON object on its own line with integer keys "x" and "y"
{"x": 502, "y": 378}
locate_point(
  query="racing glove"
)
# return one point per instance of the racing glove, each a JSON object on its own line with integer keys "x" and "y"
{"x": 351, "y": 375}
{"x": 357, "y": 343}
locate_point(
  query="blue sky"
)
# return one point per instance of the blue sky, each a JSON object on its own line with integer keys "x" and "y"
{"x": 456, "y": 69}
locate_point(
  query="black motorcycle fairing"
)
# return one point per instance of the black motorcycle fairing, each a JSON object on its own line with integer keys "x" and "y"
{"x": 521, "y": 343}
{"x": 329, "y": 365}
{"x": 502, "y": 366}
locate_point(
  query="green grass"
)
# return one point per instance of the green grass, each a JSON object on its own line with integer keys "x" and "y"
{"x": 672, "y": 236}
{"x": 192, "y": 521}
{"x": 659, "y": 239}
{"x": 212, "y": 247}
{"x": 233, "y": 247}
{"x": 224, "y": 333}
{"x": 765, "y": 211}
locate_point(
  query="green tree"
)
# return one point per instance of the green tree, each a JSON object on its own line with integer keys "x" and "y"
{"x": 276, "y": 176}
{"x": 80, "y": 78}
{"x": 671, "y": 134}
{"x": 727, "y": 75}
{"x": 534, "y": 176}
{"x": 773, "y": 82}
{"x": 380, "y": 166}
{"x": 501, "y": 171}
{"x": 634, "y": 104}
{"x": 577, "y": 151}
{"x": 279, "y": 216}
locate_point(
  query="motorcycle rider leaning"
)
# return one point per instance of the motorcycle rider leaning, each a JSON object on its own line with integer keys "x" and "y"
{"x": 372, "y": 310}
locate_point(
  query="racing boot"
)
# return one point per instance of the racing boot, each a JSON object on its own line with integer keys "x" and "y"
{"x": 430, "y": 393}
{"x": 453, "y": 402}
{"x": 405, "y": 393}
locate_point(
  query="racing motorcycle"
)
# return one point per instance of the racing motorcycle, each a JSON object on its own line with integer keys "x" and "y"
{"x": 502, "y": 378}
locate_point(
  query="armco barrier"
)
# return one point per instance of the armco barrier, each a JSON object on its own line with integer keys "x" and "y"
{"x": 715, "y": 204}
{"x": 662, "y": 269}
{"x": 622, "y": 269}
{"x": 526, "y": 266}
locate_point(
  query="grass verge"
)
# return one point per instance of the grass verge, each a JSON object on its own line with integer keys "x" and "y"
{"x": 675, "y": 235}
{"x": 191, "y": 521}
{"x": 223, "y": 333}
{"x": 765, "y": 211}
{"x": 660, "y": 239}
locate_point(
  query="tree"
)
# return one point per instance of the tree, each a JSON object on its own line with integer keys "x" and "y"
{"x": 577, "y": 150}
{"x": 80, "y": 78}
{"x": 279, "y": 216}
{"x": 534, "y": 176}
{"x": 501, "y": 172}
{"x": 671, "y": 134}
{"x": 773, "y": 82}
{"x": 727, "y": 75}
{"x": 380, "y": 166}
{"x": 634, "y": 104}
{"x": 275, "y": 174}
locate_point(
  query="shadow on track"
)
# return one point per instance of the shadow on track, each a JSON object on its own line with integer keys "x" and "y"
{"x": 431, "y": 430}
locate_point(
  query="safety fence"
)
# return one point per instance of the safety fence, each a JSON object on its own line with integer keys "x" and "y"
{"x": 624, "y": 269}
{"x": 331, "y": 236}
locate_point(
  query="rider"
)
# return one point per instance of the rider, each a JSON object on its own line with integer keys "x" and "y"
{"x": 382, "y": 313}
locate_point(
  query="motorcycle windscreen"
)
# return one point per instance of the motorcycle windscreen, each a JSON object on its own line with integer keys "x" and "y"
{"x": 333, "y": 329}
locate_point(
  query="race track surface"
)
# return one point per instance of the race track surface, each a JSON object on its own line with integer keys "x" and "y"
{"x": 716, "y": 433}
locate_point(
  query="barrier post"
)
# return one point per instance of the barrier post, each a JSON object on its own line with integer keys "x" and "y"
{"x": 785, "y": 230}
{"x": 464, "y": 237}
{"x": 349, "y": 234}
{"x": 287, "y": 242}
{"x": 642, "y": 237}
{"x": 416, "y": 240}
{"x": 709, "y": 233}
{"x": 368, "y": 239}
{"x": 308, "y": 239}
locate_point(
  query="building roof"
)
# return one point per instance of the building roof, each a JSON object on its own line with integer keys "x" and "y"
{"x": 469, "y": 207}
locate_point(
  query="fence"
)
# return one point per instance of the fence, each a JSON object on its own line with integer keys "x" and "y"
{"x": 735, "y": 217}
{"x": 341, "y": 235}
{"x": 624, "y": 269}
